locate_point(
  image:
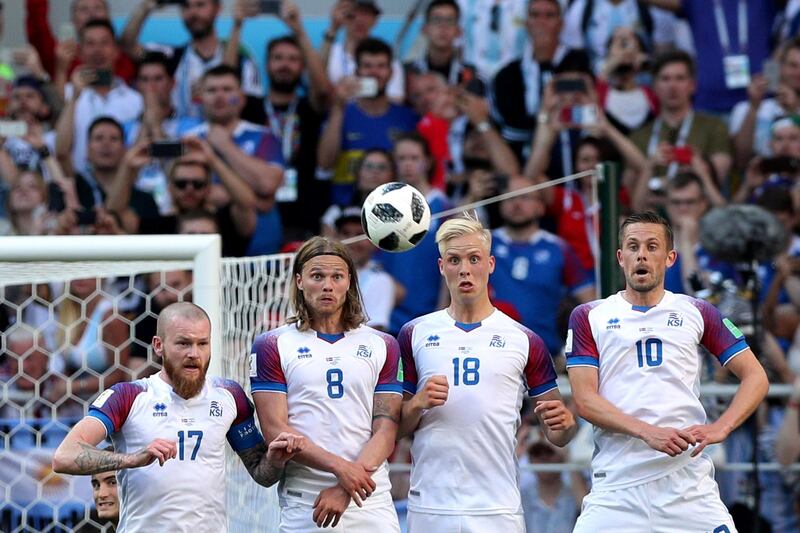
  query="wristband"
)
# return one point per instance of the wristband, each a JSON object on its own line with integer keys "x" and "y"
{"x": 542, "y": 117}
{"x": 329, "y": 36}
{"x": 44, "y": 152}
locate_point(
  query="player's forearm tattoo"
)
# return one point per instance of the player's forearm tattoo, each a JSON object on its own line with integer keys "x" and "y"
{"x": 382, "y": 408}
{"x": 255, "y": 461}
{"x": 93, "y": 461}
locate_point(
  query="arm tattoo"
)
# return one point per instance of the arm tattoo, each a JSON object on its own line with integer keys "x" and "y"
{"x": 382, "y": 408}
{"x": 255, "y": 461}
{"x": 93, "y": 461}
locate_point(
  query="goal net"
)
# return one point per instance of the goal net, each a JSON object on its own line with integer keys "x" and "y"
{"x": 77, "y": 315}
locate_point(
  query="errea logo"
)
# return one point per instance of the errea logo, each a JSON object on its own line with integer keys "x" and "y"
{"x": 433, "y": 340}
{"x": 160, "y": 409}
{"x": 613, "y": 323}
{"x": 303, "y": 353}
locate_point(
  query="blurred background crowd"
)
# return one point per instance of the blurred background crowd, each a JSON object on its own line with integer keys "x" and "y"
{"x": 696, "y": 101}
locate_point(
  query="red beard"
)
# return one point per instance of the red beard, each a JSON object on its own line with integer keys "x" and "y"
{"x": 183, "y": 386}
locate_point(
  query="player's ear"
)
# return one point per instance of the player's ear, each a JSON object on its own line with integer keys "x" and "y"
{"x": 441, "y": 266}
{"x": 619, "y": 257}
{"x": 298, "y": 279}
{"x": 491, "y": 264}
{"x": 672, "y": 256}
{"x": 158, "y": 345}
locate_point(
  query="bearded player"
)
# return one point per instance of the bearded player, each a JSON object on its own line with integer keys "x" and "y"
{"x": 466, "y": 370}
{"x": 634, "y": 365}
{"x": 181, "y": 419}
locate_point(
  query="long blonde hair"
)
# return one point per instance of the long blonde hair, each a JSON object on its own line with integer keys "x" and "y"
{"x": 353, "y": 312}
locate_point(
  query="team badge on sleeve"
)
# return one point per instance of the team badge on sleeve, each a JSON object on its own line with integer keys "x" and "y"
{"x": 568, "y": 344}
{"x": 736, "y": 332}
{"x": 253, "y": 367}
{"x": 101, "y": 400}
{"x": 400, "y": 370}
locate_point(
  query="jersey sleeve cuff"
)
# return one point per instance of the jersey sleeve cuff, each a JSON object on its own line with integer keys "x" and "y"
{"x": 409, "y": 387}
{"x": 733, "y": 351}
{"x": 267, "y": 386}
{"x": 583, "y": 360}
{"x": 395, "y": 388}
{"x": 541, "y": 389}
{"x": 103, "y": 419}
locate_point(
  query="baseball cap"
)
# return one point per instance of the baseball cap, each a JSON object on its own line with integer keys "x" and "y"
{"x": 348, "y": 214}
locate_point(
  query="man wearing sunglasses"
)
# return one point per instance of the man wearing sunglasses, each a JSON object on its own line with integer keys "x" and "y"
{"x": 189, "y": 184}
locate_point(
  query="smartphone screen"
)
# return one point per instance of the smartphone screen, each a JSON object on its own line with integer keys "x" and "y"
{"x": 166, "y": 149}
{"x": 367, "y": 88}
{"x": 102, "y": 78}
{"x": 570, "y": 85}
{"x": 270, "y": 7}
{"x": 13, "y": 128}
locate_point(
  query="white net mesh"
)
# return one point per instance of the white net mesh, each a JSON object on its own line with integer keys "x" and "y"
{"x": 64, "y": 339}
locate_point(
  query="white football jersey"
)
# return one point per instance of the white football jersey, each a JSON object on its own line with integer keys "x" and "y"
{"x": 649, "y": 367}
{"x": 330, "y": 382}
{"x": 463, "y": 451}
{"x": 188, "y": 493}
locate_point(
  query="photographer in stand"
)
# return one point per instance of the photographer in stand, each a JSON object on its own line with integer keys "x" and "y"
{"x": 779, "y": 170}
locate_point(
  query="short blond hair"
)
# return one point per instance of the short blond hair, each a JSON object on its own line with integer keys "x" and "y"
{"x": 459, "y": 227}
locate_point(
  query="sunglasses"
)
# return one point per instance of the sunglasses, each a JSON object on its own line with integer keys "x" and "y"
{"x": 182, "y": 184}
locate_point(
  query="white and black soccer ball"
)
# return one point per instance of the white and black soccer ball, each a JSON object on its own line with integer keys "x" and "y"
{"x": 395, "y": 217}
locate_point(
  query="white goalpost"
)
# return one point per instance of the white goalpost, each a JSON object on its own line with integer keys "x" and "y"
{"x": 133, "y": 279}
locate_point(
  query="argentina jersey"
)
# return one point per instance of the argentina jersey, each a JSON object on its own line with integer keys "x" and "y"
{"x": 649, "y": 367}
{"x": 165, "y": 498}
{"x": 330, "y": 382}
{"x": 463, "y": 451}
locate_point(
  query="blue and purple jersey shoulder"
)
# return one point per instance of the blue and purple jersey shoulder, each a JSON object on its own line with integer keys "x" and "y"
{"x": 269, "y": 376}
{"x": 404, "y": 341}
{"x": 720, "y": 336}
{"x": 581, "y": 348}
{"x": 243, "y": 433}
{"x": 392, "y": 371}
{"x": 540, "y": 375}
{"x": 114, "y": 404}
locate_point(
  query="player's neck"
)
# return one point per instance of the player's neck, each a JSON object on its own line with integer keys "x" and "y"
{"x": 329, "y": 325}
{"x": 643, "y": 299}
{"x": 470, "y": 312}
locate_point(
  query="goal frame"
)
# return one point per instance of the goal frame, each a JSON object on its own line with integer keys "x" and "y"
{"x": 204, "y": 252}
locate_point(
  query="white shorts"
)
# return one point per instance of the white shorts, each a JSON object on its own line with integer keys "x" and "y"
{"x": 299, "y": 519}
{"x": 685, "y": 501}
{"x": 445, "y": 523}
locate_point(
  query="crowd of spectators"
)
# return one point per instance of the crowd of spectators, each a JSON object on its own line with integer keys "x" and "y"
{"x": 697, "y": 101}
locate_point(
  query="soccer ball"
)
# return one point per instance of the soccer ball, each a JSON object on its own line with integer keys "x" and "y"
{"x": 395, "y": 217}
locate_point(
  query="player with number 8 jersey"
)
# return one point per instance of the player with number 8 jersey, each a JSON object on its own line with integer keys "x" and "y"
{"x": 634, "y": 366}
{"x": 466, "y": 370}
{"x": 334, "y": 380}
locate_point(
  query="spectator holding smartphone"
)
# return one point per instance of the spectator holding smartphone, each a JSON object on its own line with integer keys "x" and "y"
{"x": 358, "y": 17}
{"x": 779, "y": 170}
{"x": 627, "y": 103}
{"x": 752, "y": 119}
{"x": 679, "y": 131}
{"x": 189, "y": 62}
{"x": 92, "y": 93}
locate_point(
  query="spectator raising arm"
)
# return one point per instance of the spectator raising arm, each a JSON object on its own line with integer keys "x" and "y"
{"x": 477, "y": 111}
{"x": 264, "y": 178}
{"x": 129, "y": 40}
{"x": 331, "y": 141}
{"x": 243, "y": 203}
{"x": 743, "y": 139}
{"x": 320, "y": 87}
{"x": 65, "y": 127}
